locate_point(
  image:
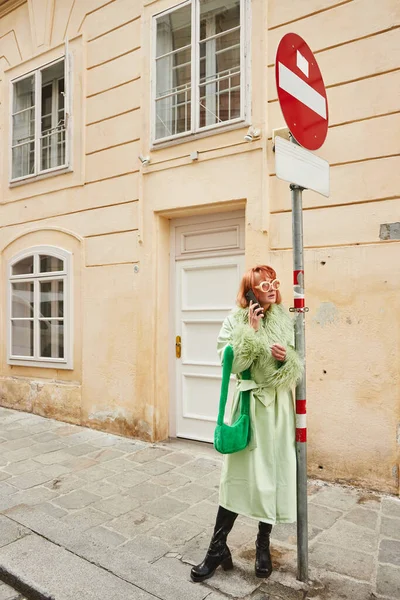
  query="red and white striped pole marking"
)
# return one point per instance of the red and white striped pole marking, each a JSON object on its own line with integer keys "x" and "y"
{"x": 301, "y": 421}
{"x": 301, "y": 407}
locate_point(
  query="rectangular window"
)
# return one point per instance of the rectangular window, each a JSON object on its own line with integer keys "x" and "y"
{"x": 199, "y": 67}
{"x": 39, "y": 315}
{"x": 39, "y": 122}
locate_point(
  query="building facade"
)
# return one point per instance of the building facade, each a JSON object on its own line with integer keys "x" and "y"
{"x": 137, "y": 183}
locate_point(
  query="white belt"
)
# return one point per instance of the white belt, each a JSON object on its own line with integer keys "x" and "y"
{"x": 257, "y": 392}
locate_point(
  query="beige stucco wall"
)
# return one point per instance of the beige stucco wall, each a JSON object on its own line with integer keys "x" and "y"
{"x": 352, "y": 277}
{"x": 113, "y": 215}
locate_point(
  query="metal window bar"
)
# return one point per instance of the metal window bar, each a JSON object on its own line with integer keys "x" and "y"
{"x": 176, "y": 67}
{"x": 233, "y": 88}
{"x": 175, "y": 90}
{"x": 172, "y": 52}
{"x": 184, "y": 89}
{"x": 22, "y": 319}
{"x": 24, "y": 142}
{"x": 175, "y": 71}
{"x": 186, "y": 112}
{"x": 219, "y": 35}
{"x": 230, "y": 75}
{"x": 217, "y": 94}
{"x": 50, "y": 318}
{"x": 46, "y": 142}
{"x": 209, "y": 111}
{"x": 217, "y": 77}
{"x": 19, "y": 112}
{"x": 220, "y": 92}
{"x": 223, "y": 72}
{"x": 175, "y": 112}
{"x": 222, "y": 51}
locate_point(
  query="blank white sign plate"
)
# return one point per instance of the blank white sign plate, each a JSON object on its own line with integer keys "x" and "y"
{"x": 301, "y": 167}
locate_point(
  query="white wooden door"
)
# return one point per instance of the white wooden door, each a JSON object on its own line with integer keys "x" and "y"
{"x": 205, "y": 292}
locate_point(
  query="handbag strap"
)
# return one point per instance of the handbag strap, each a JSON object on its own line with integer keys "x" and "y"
{"x": 226, "y": 374}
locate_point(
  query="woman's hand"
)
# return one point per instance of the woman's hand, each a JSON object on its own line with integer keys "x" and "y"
{"x": 278, "y": 352}
{"x": 256, "y": 313}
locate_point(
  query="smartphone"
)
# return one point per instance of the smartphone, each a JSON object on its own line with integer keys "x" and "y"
{"x": 251, "y": 297}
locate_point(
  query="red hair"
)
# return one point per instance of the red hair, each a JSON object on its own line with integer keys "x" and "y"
{"x": 248, "y": 282}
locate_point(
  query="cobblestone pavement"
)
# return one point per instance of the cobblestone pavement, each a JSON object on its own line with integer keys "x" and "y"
{"x": 85, "y": 510}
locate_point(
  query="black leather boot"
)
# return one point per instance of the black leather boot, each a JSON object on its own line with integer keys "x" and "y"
{"x": 218, "y": 552}
{"x": 263, "y": 556}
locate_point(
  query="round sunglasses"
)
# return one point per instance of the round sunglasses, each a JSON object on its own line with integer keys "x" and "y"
{"x": 267, "y": 286}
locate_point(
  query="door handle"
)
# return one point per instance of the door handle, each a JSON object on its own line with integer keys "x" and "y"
{"x": 178, "y": 346}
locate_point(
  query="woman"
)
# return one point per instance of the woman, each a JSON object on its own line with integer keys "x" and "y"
{"x": 260, "y": 481}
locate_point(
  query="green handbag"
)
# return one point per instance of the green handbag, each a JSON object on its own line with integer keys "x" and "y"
{"x": 235, "y": 437}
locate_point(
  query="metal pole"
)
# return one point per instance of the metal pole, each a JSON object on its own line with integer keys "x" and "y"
{"x": 301, "y": 428}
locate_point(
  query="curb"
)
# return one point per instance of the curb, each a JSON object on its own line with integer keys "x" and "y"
{"x": 24, "y": 588}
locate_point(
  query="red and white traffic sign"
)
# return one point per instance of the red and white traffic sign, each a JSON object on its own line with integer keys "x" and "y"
{"x": 301, "y": 92}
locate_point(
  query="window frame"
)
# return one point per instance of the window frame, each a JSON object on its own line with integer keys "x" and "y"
{"x": 66, "y": 167}
{"x": 55, "y": 83}
{"x": 36, "y": 277}
{"x": 245, "y": 96}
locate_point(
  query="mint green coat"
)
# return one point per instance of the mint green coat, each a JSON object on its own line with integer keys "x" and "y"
{"x": 260, "y": 481}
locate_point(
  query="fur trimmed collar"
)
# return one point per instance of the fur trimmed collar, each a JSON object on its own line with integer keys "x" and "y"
{"x": 276, "y": 326}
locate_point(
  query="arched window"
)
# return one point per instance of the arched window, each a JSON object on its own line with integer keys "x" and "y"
{"x": 39, "y": 311}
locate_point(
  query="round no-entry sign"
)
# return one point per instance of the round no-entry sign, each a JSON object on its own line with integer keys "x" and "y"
{"x": 301, "y": 92}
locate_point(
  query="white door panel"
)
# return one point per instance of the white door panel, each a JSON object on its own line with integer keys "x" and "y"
{"x": 209, "y": 287}
{"x": 200, "y": 344}
{"x": 206, "y": 291}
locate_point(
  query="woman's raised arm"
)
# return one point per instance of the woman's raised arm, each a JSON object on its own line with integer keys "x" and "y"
{"x": 244, "y": 340}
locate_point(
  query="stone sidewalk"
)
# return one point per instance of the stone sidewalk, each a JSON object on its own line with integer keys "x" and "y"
{"x": 89, "y": 515}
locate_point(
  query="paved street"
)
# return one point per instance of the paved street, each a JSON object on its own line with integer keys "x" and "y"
{"x": 89, "y": 515}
